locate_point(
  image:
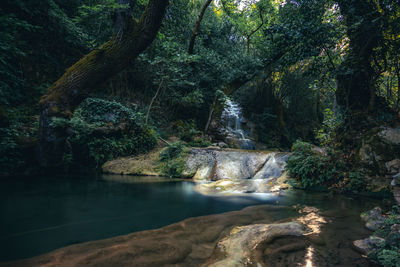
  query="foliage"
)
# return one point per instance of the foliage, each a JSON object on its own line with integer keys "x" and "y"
{"x": 172, "y": 151}
{"x": 18, "y": 143}
{"x": 103, "y": 130}
{"x": 172, "y": 159}
{"x": 326, "y": 133}
{"x": 388, "y": 252}
{"x": 314, "y": 168}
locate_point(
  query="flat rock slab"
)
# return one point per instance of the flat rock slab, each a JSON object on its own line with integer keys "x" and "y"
{"x": 188, "y": 243}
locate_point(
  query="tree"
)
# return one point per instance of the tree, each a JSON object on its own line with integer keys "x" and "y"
{"x": 197, "y": 26}
{"x": 356, "y": 80}
{"x": 96, "y": 67}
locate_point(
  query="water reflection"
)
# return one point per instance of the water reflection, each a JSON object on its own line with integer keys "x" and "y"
{"x": 309, "y": 257}
{"x": 313, "y": 220}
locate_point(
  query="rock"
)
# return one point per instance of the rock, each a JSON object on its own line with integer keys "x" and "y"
{"x": 390, "y": 135}
{"x": 240, "y": 244}
{"x": 222, "y": 145}
{"x": 274, "y": 166}
{"x": 318, "y": 150}
{"x": 200, "y": 164}
{"x": 396, "y": 194}
{"x": 238, "y": 171}
{"x": 395, "y": 228}
{"x": 206, "y": 164}
{"x": 379, "y": 157}
{"x": 396, "y": 180}
{"x": 367, "y": 245}
{"x": 373, "y": 219}
{"x": 393, "y": 166}
{"x": 191, "y": 242}
{"x": 236, "y": 164}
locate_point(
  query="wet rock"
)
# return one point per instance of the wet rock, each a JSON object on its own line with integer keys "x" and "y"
{"x": 240, "y": 172}
{"x": 191, "y": 242}
{"x": 240, "y": 244}
{"x": 274, "y": 166}
{"x": 367, "y": 245}
{"x": 206, "y": 164}
{"x": 373, "y": 219}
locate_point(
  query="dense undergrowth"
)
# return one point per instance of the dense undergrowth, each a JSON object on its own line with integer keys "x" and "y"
{"x": 102, "y": 130}
{"x": 323, "y": 168}
{"x": 387, "y": 253}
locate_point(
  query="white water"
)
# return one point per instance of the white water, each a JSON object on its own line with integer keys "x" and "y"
{"x": 233, "y": 119}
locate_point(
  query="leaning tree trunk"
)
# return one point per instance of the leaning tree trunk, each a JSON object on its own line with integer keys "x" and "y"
{"x": 96, "y": 67}
{"x": 197, "y": 26}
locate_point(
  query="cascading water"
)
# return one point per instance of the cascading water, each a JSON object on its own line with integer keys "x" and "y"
{"x": 233, "y": 120}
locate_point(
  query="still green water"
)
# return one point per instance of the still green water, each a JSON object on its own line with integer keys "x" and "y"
{"x": 40, "y": 214}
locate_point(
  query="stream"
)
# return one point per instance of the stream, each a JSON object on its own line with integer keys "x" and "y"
{"x": 40, "y": 214}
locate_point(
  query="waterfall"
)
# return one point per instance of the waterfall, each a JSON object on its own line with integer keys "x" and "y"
{"x": 233, "y": 120}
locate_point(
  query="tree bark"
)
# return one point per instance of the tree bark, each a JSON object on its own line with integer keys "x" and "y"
{"x": 93, "y": 69}
{"x": 254, "y": 31}
{"x": 197, "y": 26}
{"x": 356, "y": 81}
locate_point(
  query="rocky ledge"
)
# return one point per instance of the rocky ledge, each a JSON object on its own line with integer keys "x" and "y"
{"x": 217, "y": 171}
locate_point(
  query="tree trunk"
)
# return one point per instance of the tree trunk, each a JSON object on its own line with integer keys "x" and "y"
{"x": 96, "y": 67}
{"x": 153, "y": 99}
{"x": 197, "y": 26}
{"x": 356, "y": 82}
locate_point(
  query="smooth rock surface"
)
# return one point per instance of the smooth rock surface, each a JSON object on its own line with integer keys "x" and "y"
{"x": 191, "y": 242}
{"x": 239, "y": 245}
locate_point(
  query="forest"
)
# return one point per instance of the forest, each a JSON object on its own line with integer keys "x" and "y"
{"x": 279, "y": 110}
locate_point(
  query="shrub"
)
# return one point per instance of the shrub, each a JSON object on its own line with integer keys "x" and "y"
{"x": 173, "y": 150}
{"x": 331, "y": 122}
{"x": 312, "y": 168}
{"x": 388, "y": 252}
{"x": 172, "y": 159}
{"x": 103, "y": 130}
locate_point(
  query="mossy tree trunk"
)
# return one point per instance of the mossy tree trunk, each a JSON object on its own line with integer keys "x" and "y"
{"x": 357, "y": 78}
{"x": 93, "y": 69}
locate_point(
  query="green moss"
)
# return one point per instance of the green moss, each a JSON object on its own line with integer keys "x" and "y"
{"x": 104, "y": 130}
{"x": 173, "y": 159}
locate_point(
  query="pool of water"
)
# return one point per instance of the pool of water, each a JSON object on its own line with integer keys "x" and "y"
{"x": 40, "y": 214}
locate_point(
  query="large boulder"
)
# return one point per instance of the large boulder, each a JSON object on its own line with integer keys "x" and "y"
{"x": 367, "y": 245}
{"x": 216, "y": 164}
{"x": 379, "y": 156}
{"x": 218, "y": 170}
{"x": 373, "y": 219}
